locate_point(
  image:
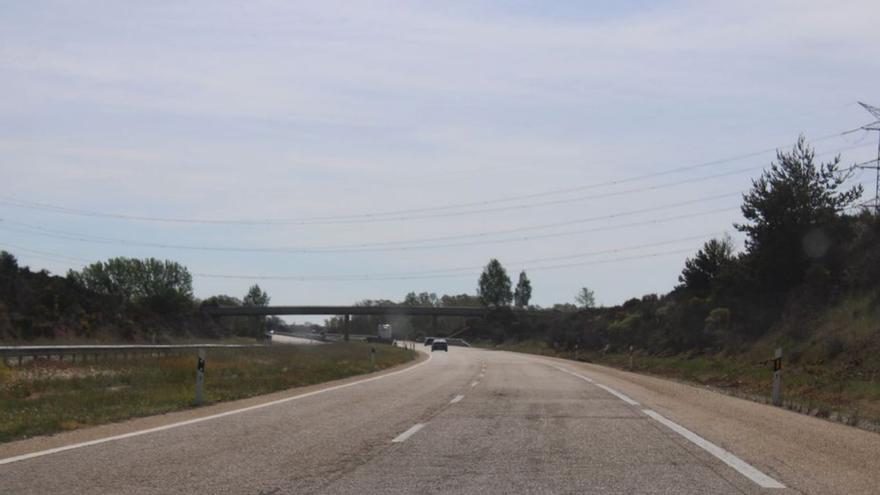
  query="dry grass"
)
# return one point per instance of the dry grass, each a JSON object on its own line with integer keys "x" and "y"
{"x": 44, "y": 397}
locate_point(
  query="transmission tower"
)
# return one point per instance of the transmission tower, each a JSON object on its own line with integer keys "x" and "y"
{"x": 874, "y": 126}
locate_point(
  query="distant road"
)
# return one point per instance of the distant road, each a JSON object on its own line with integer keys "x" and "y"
{"x": 470, "y": 421}
{"x": 288, "y": 339}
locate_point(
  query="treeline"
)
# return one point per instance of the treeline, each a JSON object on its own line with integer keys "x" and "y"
{"x": 804, "y": 253}
{"x": 808, "y": 247}
{"x": 118, "y": 299}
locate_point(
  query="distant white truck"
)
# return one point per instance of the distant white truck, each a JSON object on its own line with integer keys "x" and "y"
{"x": 384, "y": 332}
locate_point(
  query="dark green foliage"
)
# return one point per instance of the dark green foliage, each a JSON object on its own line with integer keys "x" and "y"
{"x": 792, "y": 216}
{"x": 494, "y": 285}
{"x": 586, "y": 298}
{"x": 134, "y": 301}
{"x": 162, "y": 286}
{"x": 523, "y": 292}
{"x": 255, "y": 297}
{"x": 707, "y": 265}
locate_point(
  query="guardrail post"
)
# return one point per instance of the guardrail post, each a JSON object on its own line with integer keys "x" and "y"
{"x": 200, "y": 376}
{"x": 777, "y": 377}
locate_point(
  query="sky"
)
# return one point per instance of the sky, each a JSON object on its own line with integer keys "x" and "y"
{"x": 339, "y": 151}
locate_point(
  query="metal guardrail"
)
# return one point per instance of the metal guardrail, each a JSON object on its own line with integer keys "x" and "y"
{"x": 8, "y": 353}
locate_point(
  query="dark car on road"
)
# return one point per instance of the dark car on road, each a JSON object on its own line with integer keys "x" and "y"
{"x": 439, "y": 345}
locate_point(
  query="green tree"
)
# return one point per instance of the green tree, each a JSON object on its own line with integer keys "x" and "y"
{"x": 421, "y": 299}
{"x": 8, "y": 274}
{"x": 791, "y": 215}
{"x": 165, "y": 286}
{"x": 702, "y": 270}
{"x": 523, "y": 292}
{"x": 221, "y": 300}
{"x": 494, "y": 285}
{"x": 586, "y": 298}
{"x": 255, "y": 297}
{"x": 460, "y": 300}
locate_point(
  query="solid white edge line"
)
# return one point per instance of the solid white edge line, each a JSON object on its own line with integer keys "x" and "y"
{"x": 22, "y": 457}
{"x": 474, "y": 384}
{"x": 606, "y": 388}
{"x": 726, "y": 457}
{"x": 408, "y": 433}
{"x": 617, "y": 394}
{"x": 455, "y": 399}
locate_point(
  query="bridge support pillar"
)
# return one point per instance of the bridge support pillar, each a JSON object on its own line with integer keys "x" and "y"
{"x": 347, "y": 326}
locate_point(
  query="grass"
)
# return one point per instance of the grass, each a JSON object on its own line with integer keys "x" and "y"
{"x": 44, "y": 397}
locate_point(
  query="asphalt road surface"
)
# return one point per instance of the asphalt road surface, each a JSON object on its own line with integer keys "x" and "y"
{"x": 290, "y": 339}
{"x": 467, "y": 421}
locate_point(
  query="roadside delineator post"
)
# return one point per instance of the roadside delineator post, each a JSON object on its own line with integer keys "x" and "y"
{"x": 200, "y": 377}
{"x": 631, "y": 364}
{"x": 777, "y": 377}
{"x": 373, "y": 358}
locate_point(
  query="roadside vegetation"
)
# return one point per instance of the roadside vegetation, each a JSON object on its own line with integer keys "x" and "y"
{"x": 806, "y": 280}
{"x": 49, "y": 396}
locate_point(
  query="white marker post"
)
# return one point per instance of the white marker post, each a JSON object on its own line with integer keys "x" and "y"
{"x": 777, "y": 377}
{"x": 200, "y": 377}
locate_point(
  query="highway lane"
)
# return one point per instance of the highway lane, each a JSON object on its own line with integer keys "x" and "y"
{"x": 469, "y": 421}
{"x": 290, "y": 339}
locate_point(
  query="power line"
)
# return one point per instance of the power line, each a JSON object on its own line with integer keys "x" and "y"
{"x": 376, "y": 246}
{"x": 540, "y": 268}
{"x": 441, "y": 274}
{"x": 874, "y": 126}
{"x": 385, "y": 276}
{"x": 45, "y": 253}
{"x": 420, "y": 213}
{"x": 398, "y": 245}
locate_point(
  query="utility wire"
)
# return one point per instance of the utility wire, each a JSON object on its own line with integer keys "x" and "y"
{"x": 398, "y": 245}
{"x": 420, "y": 213}
{"x": 16, "y": 226}
{"x": 529, "y": 262}
{"x": 442, "y": 273}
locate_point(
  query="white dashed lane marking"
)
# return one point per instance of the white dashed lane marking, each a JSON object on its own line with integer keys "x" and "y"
{"x": 408, "y": 433}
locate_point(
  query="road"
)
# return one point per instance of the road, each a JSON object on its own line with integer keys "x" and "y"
{"x": 290, "y": 339}
{"x": 467, "y": 421}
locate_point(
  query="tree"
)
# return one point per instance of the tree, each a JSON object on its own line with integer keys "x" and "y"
{"x": 702, "y": 270}
{"x": 165, "y": 286}
{"x": 523, "y": 291}
{"x": 8, "y": 274}
{"x": 791, "y": 215}
{"x": 255, "y": 297}
{"x": 221, "y": 300}
{"x": 459, "y": 300}
{"x": 421, "y": 299}
{"x": 494, "y": 285}
{"x": 586, "y": 298}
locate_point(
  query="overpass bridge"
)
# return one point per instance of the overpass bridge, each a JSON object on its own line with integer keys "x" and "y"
{"x": 348, "y": 311}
